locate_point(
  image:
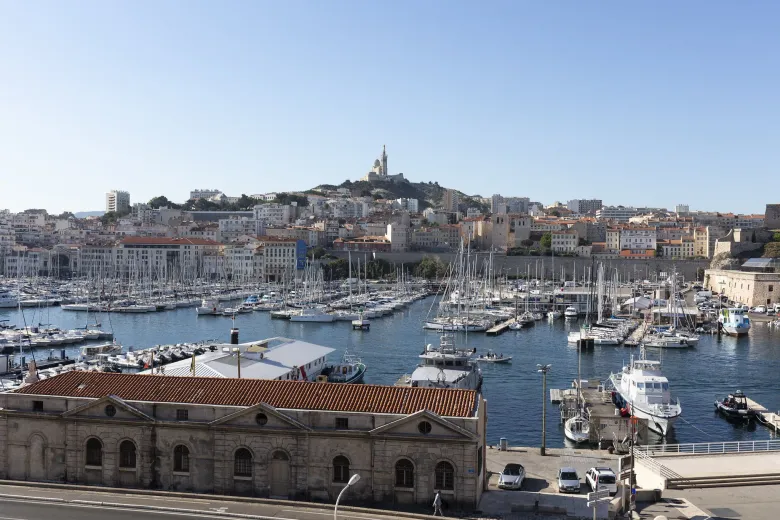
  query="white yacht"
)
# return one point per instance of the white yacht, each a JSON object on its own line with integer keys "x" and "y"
{"x": 734, "y": 322}
{"x": 312, "y": 315}
{"x": 446, "y": 366}
{"x": 8, "y": 300}
{"x": 209, "y": 308}
{"x": 643, "y": 389}
{"x": 570, "y": 312}
{"x": 577, "y": 429}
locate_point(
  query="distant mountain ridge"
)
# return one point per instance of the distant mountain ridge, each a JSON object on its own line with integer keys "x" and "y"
{"x": 85, "y": 214}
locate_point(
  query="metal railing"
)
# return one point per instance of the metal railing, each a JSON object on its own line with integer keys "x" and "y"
{"x": 707, "y": 448}
{"x": 656, "y": 466}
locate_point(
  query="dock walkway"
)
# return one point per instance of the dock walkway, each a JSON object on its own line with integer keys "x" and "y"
{"x": 500, "y": 328}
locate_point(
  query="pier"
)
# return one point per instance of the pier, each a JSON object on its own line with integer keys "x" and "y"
{"x": 769, "y": 419}
{"x": 636, "y": 336}
{"x": 500, "y": 328}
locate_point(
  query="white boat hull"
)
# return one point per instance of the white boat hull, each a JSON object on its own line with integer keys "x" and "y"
{"x": 736, "y": 331}
{"x": 576, "y": 434}
{"x": 323, "y": 318}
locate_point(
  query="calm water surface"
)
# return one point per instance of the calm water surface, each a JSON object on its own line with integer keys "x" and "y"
{"x": 698, "y": 376}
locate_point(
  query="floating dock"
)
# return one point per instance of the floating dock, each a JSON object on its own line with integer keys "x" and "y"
{"x": 500, "y": 328}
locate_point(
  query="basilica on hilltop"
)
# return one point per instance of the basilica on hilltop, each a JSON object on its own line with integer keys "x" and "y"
{"x": 379, "y": 171}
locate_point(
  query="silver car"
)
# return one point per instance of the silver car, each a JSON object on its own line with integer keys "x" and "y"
{"x": 568, "y": 481}
{"x": 512, "y": 477}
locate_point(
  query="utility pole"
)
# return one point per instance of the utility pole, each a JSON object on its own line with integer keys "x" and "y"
{"x": 543, "y": 369}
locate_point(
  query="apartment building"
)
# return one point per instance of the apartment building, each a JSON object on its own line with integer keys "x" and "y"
{"x": 616, "y": 213}
{"x": 678, "y": 248}
{"x": 118, "y": 201}
{"x": 157, "y": 256}
{"x": 637, "y": 238}
{"x": 279, "y": 257}
{"x": 450, "y": 201}
{"x": 436, "y": 237}
{"x": 565, "y": 241}
{"x": 274, "y": 214}
{"x": 584, "y": 206}
{"x": 230, "y": 229}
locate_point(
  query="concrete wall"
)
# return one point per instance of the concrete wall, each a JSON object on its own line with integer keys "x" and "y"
{"x": 644, "y": 269}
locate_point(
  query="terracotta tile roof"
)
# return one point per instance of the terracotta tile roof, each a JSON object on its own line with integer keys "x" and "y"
{"x": 247, "y": 392}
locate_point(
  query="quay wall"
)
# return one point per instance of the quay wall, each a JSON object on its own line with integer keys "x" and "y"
{"x": 635, "y": 269}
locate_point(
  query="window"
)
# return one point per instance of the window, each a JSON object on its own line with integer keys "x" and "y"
{"x": 341, "y": 469}
{"x": 127, "y": 454}
{"x": 182, "y": 415}
{"x": 37, "y": 406}
{"x": 404, "y": 473}
{"x": 261, "y": 419}
{"x": 424, "y": 427}
{"x": 181, "y": 459}
{"x": 445, "y": 476}
{"x": 110, "y": 410}
{"x": 94, "y": 452}
{"x": 771, "y": 288}
{"x": 242, "y": 463}
{"x": 342, "y": 423}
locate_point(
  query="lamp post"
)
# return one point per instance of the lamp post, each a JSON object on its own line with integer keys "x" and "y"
{"x": 543, "y": 369}
{"x": 353, "y": 479}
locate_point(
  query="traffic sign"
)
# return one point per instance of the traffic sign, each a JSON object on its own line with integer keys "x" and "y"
{"x": 598, "y": 495}
{"x": 624, "y": 474}
{"x": 633, "y": 491}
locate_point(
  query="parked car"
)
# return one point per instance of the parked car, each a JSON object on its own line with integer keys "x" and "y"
{"x": 601, "y": 478}
{"x": 761, "y": 309}
{"x": 511, "y": 477}
{"x": 568, "y": 480}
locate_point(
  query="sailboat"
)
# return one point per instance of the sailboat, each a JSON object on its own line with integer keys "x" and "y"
{"x": 577, "y": 428}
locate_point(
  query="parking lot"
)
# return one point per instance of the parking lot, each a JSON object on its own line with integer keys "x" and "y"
{"x": 542, "y": 472}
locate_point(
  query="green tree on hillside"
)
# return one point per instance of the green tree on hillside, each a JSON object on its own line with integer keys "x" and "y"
{"x": 546, "y": 240}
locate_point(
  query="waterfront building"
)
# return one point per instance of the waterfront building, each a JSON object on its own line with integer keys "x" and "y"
{"x": 279, "y": 257}
{"x": 678, "y": 248}
{"x": 156, "y": 256}
{"x": 285, "y": 439}
{"x": 204, "y": 194}
{"x": 445, "y": 236}
{"x": 749, "y": 288}
{"x": 27, "y": 261}
{"x": 363, "y": 243}
{"x": 637, "y": 238}
{"x": 118, "y": 201}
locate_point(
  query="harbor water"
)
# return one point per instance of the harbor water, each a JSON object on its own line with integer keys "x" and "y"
{"x": 698, "y": 376}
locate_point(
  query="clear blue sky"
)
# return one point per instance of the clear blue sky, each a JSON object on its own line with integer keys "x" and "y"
{"x": 643, "y": 103}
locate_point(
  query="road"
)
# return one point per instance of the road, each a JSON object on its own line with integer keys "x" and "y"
{"x": 28, "y": 503}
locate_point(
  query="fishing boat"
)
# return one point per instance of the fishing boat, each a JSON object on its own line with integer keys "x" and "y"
{"x": 643, "y": 391}
{"x": 492, "y": 357}
{"x": 735, "y": 406}
{"x": 350, "y": 370}
{"x": 734, "y": 322}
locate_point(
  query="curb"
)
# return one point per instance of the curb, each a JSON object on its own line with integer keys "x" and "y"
{"x": 195, "y": 496}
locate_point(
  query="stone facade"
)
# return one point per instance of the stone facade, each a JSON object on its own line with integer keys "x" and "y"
{"x": 292, "y": 453}
{"x": 752, "y": 289}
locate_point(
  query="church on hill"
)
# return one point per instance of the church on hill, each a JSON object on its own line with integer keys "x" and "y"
{"x": 379, "y": 171}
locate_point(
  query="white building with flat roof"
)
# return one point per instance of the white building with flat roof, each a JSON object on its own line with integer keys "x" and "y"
{"x": 117, "y": 201}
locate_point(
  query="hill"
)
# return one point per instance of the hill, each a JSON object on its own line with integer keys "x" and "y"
{"x": 428, "y": 194}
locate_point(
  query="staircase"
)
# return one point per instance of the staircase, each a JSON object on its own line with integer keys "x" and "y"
{"x": 724, "y": 481}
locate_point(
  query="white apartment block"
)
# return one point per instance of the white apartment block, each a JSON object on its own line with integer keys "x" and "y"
{"x": 157, "y": 256}
{"x": 435, "y": 237}
{"x": 97, "y": 260}
{"x": 279, "y": 260}
{"x": 24, "y": 261}
{"x": 348, "y": 208}
{"x": 28, "y": 222}
{"x": 243, "y": 262}
{"x": 117, "y": 201}
{"x": 204, "y": 194}
{"x": 410, "y": 205}
{"x": 274, "y": 214}
{"x": 399, "y": 236}
{"x": 638, "y": 238}
{"x": 583, "y": 206}
{"x": 565, "y": 241}
{"x": 618, "y": 213}
{"x": 232, "y": 228}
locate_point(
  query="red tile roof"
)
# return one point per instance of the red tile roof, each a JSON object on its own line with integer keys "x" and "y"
{"x": 247, "y": 392}
{"x": 168, "y": 241}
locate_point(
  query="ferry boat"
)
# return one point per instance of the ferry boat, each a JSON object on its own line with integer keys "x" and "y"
{"x": 445, "y": 366}
{"x": 734, "y": 322}
{"x": 642, "y": 390}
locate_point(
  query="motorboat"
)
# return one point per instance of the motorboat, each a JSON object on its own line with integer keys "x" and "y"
{"x": 209, "y": 308}
{"x": 361, "y": 322}
{"x": 92, "y": 352}
{"x": 516, "y": 325}
{"x": 734, "y": 322}
{"x": 446, "y": 366}
{"x": 492, "y": 357}
{"x": 577, "y": 429}
{"x": 8, "y": 300}
{"x": 312, "y": 315}
{"x": 554, "y": 315}
{"x": 736, "y": 406}
{"x": 570, "y": 312}
{"x": 643, "y": 391}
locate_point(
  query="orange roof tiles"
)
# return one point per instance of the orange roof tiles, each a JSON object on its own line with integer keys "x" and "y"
{"x": 247, "y": 392}
{"x": 168, "y": 241}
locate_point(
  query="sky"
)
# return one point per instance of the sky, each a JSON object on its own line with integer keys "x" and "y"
{"x": 636, "y": 103}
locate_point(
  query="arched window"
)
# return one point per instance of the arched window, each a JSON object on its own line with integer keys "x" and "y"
{"x": 404, "y": 473}
{"x": 445, "y": 476}
{"x": 94, "y": 452}
{"x": 242, "y": 463}
{"x": 127, "y": 455}
{"x": 181, "y": 459}
{"x": 341, "y": 469}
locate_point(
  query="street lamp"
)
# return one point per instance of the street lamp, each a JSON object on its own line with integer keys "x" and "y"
{"x": 543, "y": 369}
{"x": 352, "y": 480}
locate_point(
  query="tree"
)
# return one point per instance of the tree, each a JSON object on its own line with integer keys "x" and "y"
{"x": 66, "y": 214}
{"x": 162, "y": 202}
{"x": 546, "y": 240}
{"x": 555, "y": 213}
{"x": 109, "y": 218}
{"x": 776, "y": 236}
{"x": 527, "y": 242}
